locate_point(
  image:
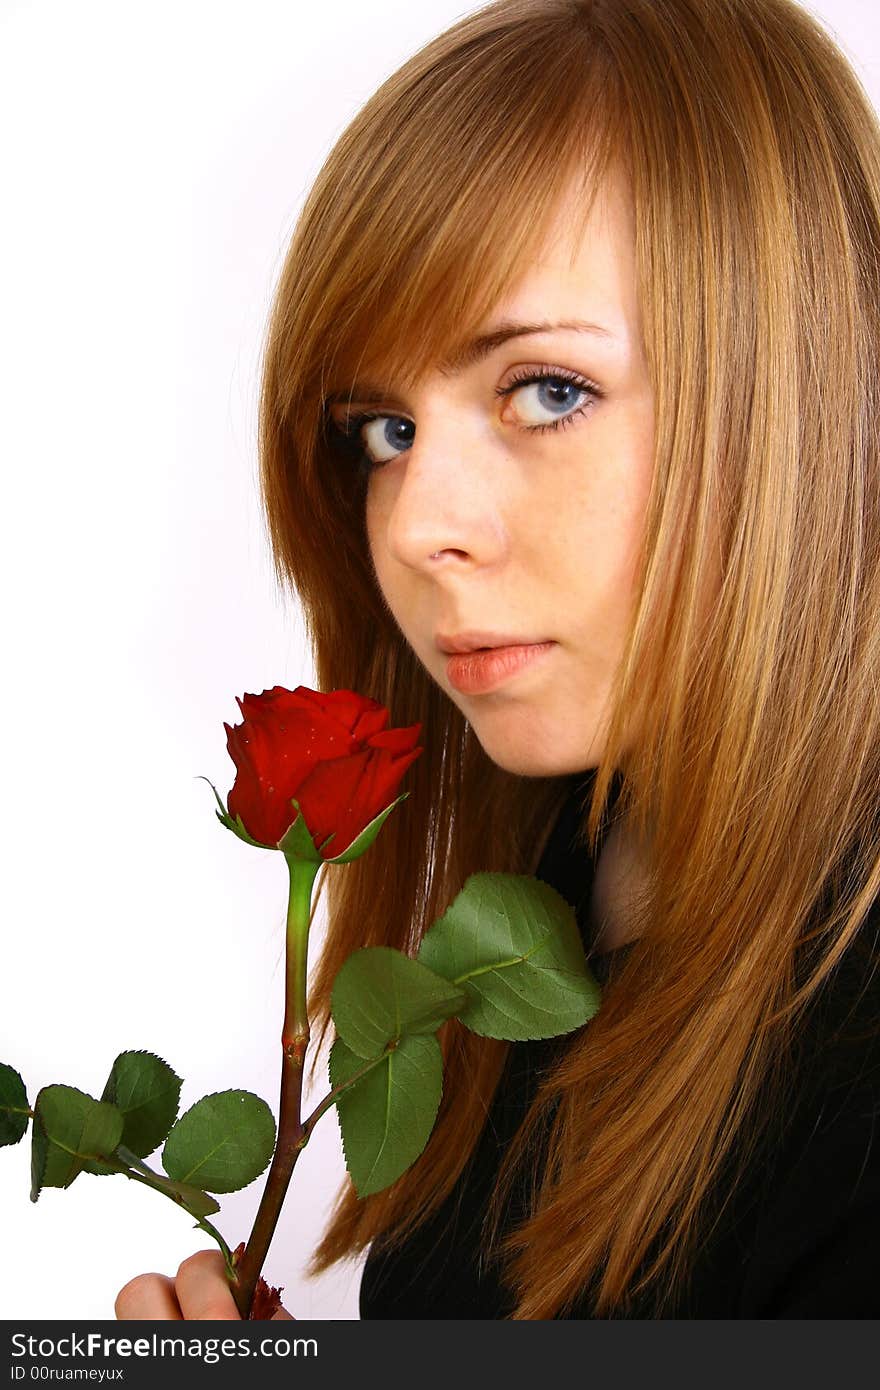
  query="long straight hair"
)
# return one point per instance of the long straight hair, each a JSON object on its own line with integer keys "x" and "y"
{"x": 753, "y": 158}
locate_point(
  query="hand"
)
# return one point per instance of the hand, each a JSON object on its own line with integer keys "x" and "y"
{"x": 200, "y": 1291}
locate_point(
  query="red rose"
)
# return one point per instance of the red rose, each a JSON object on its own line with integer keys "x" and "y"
{"x": 331, "y": 752}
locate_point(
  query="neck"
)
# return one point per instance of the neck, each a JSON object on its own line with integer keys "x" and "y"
{"x": 620, "y": 877}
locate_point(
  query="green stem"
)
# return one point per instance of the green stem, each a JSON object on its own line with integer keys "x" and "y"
{"x": 134, "y": 1167}
{"x": 207, "y": 1226}
{"x": 294, "y": 1042}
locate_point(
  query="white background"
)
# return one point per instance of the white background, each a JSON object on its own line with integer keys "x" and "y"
{"x": 152, "y": 165}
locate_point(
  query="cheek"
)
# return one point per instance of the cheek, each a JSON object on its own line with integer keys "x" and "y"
{"x": 374, "y": 530}
{"x": 602, "y": 545}
{"x": 383, "y": 569}
{"x": 604, "y": 532}
{"x": 626, "y": 487}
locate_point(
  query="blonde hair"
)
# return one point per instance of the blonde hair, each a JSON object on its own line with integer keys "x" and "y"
{"x": 753, "y": 157}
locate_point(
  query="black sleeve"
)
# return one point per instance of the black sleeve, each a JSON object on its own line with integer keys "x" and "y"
{"x": 818, "y": 1236}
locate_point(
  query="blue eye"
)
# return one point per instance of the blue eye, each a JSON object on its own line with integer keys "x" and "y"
{"x": 567, "y": 392}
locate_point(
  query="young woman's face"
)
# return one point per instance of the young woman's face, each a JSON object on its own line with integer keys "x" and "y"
{"x": 484, "y": 519}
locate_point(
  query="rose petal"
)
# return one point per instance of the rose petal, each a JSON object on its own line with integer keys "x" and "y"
{"x": 396, "y": 740}
{"x": 345, "y": 706}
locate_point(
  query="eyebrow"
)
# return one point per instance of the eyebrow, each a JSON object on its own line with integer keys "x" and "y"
{"x": 477, "y": 350}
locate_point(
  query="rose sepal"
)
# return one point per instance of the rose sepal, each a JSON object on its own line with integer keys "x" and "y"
{"x": 297, "y": 842}
{"x": 363, "y": 841}
{"x": 236, "y": 825}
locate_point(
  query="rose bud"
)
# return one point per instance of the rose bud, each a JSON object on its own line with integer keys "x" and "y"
{"x": 329, "y": 756}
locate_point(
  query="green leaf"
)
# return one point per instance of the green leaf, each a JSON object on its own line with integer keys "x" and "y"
{"x": 14, "y": 1108}
{"x": 386, "y": 1118}
{"x": 222, "y": 1143}
{"x": 147, "y": 1092}
{"x": 380, "y": 994}
{"x": 363, "y": 841}
{"x": 70, "y": 1128}
{"x": 512, "y": 943}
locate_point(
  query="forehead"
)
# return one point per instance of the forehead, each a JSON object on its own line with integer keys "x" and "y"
{"x": 586, "y": 265}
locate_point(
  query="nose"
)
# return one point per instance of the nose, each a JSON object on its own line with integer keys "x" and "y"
{"x": 446, "y": 506}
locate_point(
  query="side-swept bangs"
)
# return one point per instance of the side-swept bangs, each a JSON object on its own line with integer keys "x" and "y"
{"x": 436, "y": 200}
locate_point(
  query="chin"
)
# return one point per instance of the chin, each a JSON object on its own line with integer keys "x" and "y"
{"x": 528, "y": 758}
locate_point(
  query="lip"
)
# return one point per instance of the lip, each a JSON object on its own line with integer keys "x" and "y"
{"x": 472, "y": 639}
{"x": 476, "y": 672}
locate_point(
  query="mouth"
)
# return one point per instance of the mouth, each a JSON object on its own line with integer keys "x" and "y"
{"x": 481, "y": 669}
{"x": 464, "y": 642}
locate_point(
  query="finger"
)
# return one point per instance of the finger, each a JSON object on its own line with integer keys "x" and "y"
{"x": 147, "y": 1297}
{"x": 203, "y": 1290}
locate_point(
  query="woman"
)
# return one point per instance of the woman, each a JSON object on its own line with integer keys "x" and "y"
{"x": 670, "y": 494}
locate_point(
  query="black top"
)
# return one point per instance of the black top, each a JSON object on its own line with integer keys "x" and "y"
{"x": 800, "y": 1237}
